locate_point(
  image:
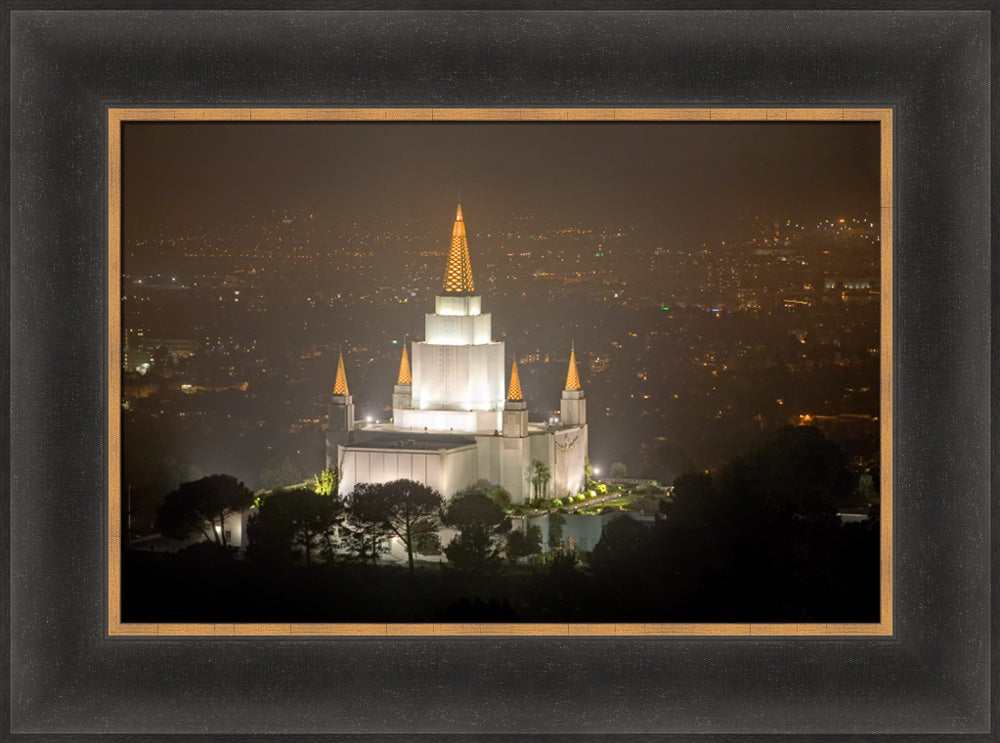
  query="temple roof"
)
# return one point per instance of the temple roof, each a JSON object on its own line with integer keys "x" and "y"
{"x": 404, "y": 370}
{"x": 458, "y": 273}
{"x": 572, "y": 378}
{"x": 514, "y": 393}
{"x": 414, "y": 440}
{"x": 340, "y": 385}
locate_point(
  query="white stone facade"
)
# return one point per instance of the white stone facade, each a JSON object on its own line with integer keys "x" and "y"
{"x": 447, "y": 470}
{"x": 452, "y": 424}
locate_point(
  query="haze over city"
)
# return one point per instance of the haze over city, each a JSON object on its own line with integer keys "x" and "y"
{"x": 293, "y": 240}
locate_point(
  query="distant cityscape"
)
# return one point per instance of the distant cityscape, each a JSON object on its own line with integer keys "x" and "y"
{"x": 689, "y": 353}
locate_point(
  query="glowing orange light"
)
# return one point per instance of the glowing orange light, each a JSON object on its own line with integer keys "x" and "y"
{"x": 572, "y": 378}
{"x": 514, "y": 394}
{"x": 458, "y": 272}
{"x": 340, "y": 384}
{"x": 404, "y": 370}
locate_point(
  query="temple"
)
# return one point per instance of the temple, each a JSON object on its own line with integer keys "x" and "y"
{"x": 453, "y": 425}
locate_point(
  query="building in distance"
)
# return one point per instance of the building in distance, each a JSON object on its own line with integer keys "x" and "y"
{"x": 453, "y": 425}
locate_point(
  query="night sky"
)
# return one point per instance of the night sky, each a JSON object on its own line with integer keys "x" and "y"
{"x": 683, "y": 182}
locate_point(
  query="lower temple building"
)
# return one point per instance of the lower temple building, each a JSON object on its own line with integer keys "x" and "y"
{"x": 452, "y": 424}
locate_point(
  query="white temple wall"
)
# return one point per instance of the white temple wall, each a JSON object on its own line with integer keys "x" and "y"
{"x": 458, "y": 304}
{"x": 573, "y": 408}
{"x": 514, "y": 464}
{"x": 447, "y": 471}
{"x": 570, "y": 453}
{"x": 564, "y": 452}
{"x": 458, "y": 377}
{"x": 470, "y": 421}
{"x": 488, "y": 459}
{"x": 235, "y": 524}
{"x": 457, "y": 330}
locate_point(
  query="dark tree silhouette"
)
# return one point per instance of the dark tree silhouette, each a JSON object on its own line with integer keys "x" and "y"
{"x": 402, "y": 508}
{"x": 798, "y": 466}
{"x": 762, "y": 538}
{"x": 523, "y": 543}
{"x": 540, "y": 476}
{"x": 624, "y": 547}
{"x": 291, "y": 519}
{"x": 482, "y": 525}
{"x": 498, "y": 494}
{"x": 556, "y": 523}
{"x": 203, "y": 505}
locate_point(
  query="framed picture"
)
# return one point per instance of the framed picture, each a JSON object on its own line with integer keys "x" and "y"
{"x": 206, "y": 330}
{"x": 82, "y": 77}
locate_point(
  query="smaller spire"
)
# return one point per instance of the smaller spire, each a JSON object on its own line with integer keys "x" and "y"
{"x": 404, "y": 369}
{"x": 340, "y": 385}
{"x": 514, "y": 393}
{"x": 572, "y": 378}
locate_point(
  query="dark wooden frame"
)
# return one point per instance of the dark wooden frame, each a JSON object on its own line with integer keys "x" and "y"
{"x": 68, "y": 675}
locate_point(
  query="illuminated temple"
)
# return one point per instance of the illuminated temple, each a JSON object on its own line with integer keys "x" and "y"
{"x": 452, "y": 424}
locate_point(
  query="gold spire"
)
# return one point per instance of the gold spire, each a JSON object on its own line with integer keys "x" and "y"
{"x": 458, "y": 273}
{"x": 404, "y": 370}
{"x": 572, "y": 378}
{"x": 340, "y": 385}
{"x": 514, "y": 393}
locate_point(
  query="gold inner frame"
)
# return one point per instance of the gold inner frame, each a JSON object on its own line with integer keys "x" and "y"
{"x": 117, "y": 116}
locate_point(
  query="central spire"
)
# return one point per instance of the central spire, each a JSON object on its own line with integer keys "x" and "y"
{"x": 340, "y": 383}
{"x": 458, "y": 273}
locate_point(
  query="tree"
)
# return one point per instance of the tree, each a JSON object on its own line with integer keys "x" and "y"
{"x": 403, "y": 508}
{"x": 327, "y": 482}
{"x": 868, "y": 487}
{"x": 777, "y": 547}
{"x": 364, "y": 541}
{"x": 624, "y": 547}
{"x": 523, "y": 543}
{"x": 556, "y": 523}
{"x": 427, "y": 543}
{"x": 540, "y": 476}
{"x": 799, "y": 468}
{"x": 203, "y": 505}
{"x": 290, "y": 519}
{"x": 482, "y": 526}
{"x": 496, "y": 493}
{"x": 501, "y": 497}
{"x": 618, "y": 471}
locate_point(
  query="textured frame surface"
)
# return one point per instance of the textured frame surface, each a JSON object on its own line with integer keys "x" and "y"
{"x": 68, "y": 67}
